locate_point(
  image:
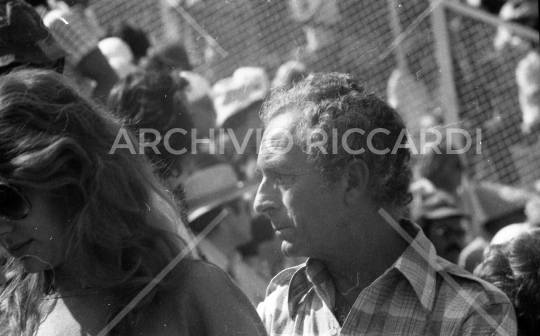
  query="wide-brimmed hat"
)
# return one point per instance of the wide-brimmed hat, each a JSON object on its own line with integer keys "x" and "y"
{"x": 497, "y": 200}
{"x": 233, "y": 94}
{"x": 118, "y": 55}
{"x": 210, "y": 187}
{"x": 438, "y": 205}
{"x": 199, "y": 87}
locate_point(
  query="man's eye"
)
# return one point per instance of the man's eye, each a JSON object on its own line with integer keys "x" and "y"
{"x": 284, "y": 179}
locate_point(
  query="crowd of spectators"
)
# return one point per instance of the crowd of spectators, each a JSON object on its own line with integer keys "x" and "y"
{"x": 202, "y": 142}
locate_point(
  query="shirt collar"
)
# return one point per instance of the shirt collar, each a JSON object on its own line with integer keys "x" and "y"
{"x": 418, "y": 264}
{"x": 419, "y": 271}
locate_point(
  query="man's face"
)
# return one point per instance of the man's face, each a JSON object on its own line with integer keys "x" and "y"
{"x": 448, "y": 237}
{"x": 305, "y": 211}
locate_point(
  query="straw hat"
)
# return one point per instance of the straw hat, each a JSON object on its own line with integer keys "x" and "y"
{"x": 437, "y": 205}
{"x": 199, "y": 87}
{"x": 232, "y": 94}
{"x": 118, "y": 55}
{"x": 210, "y": 187}
{"x": 497, "y": 200}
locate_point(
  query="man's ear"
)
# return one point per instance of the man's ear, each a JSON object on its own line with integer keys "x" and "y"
{"x": 355, "y": 179}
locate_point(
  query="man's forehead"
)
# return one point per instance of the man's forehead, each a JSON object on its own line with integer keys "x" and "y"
{"x": 278, "y": 133}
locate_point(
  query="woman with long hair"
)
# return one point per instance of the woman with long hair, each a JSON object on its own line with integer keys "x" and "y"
{"x": 87, "y": 227}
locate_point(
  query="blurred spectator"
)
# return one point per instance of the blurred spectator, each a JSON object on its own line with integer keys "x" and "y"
{"x": 443, "y": 224}
{"x": 119, "y": 56}
{"x": 532, "y": 212}
{"x": 528, "y": 81}
{"x": 24, "y": 41}
{"x": 289, "y": 73}
{"x": 200, "y": 103}
{"x": 78, "y": 34}
{"x": 514, "y": 268}
{"x": 257, "y": 257}
{"x": 499, "y": 206}
{"x": 410, "y": 97}
{"x": 441, "y": 171}
{"x": 524, "y": 12}
{"x": 442, "y": 167}
{"x": 136, "y": 39}
{"x": 237, "y": 100}
{"x": 214, "y": 193}
{"x": 169, "y": 56}
{"x": 156, "y": 101}
{"x": 319, "y": 20}
{"x": 406, "y": 89}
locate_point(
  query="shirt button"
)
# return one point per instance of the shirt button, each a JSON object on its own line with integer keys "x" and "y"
{"x": 333, "y": 331}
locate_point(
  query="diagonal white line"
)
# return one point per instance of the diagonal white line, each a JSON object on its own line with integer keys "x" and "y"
{"x": 446, "y": 277}
{"x": 408, "y": 31}
{"x": 175, "y": 4}
{"x": 163, "y": 273}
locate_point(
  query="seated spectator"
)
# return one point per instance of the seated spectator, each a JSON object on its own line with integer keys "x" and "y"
{"x": 215, "y": 197}
{"x": 514, "y": 267}
{"x": 444, "y": 169}
{"x": 238, "y": 100}
{"x": 441, "y": 171}
{"x": 443, "y": 224}
{"x": 156, "y": 101}
{"x": 88, "y": 232}
{"x": 500, "y": 206}
{"x": 79, "y": 35}
{"x": 169, "y": 56}
{"x": 532, "y": 212}
{"x": 24, "y": 41}
{"x": 200, "y": 103}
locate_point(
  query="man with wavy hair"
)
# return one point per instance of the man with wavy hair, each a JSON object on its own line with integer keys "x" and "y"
{"x": 335, "y": 175}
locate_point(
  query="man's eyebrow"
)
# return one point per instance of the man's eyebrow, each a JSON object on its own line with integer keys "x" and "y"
{"x": 275, "y": 167}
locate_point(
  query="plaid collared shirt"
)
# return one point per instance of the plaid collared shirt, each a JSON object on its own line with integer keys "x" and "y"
{"x": 410, "y": 298}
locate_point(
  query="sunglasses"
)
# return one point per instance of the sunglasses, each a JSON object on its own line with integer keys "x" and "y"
{"x": 13, "y": 204}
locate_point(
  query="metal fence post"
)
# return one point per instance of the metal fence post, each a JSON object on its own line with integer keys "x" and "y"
{"x": 444, "y": 58}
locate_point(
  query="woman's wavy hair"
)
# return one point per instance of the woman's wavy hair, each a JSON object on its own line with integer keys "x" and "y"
{"x": 514, "y": 268}
{"x": 335, "y": 102}
{"x": 124, "y": 231}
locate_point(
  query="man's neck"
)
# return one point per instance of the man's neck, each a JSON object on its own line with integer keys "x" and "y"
{"x": 354, "y": 272}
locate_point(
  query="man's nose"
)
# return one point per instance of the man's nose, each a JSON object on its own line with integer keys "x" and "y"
{"x": 266, "y": 198}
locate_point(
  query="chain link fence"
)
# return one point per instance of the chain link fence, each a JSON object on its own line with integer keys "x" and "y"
{"x": 431, "y": 59}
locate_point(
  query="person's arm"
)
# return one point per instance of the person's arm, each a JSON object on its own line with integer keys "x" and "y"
{"x": 95, "y": 66}
{"x": 495, "y": 319}
{"x": 225, "y": 309}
